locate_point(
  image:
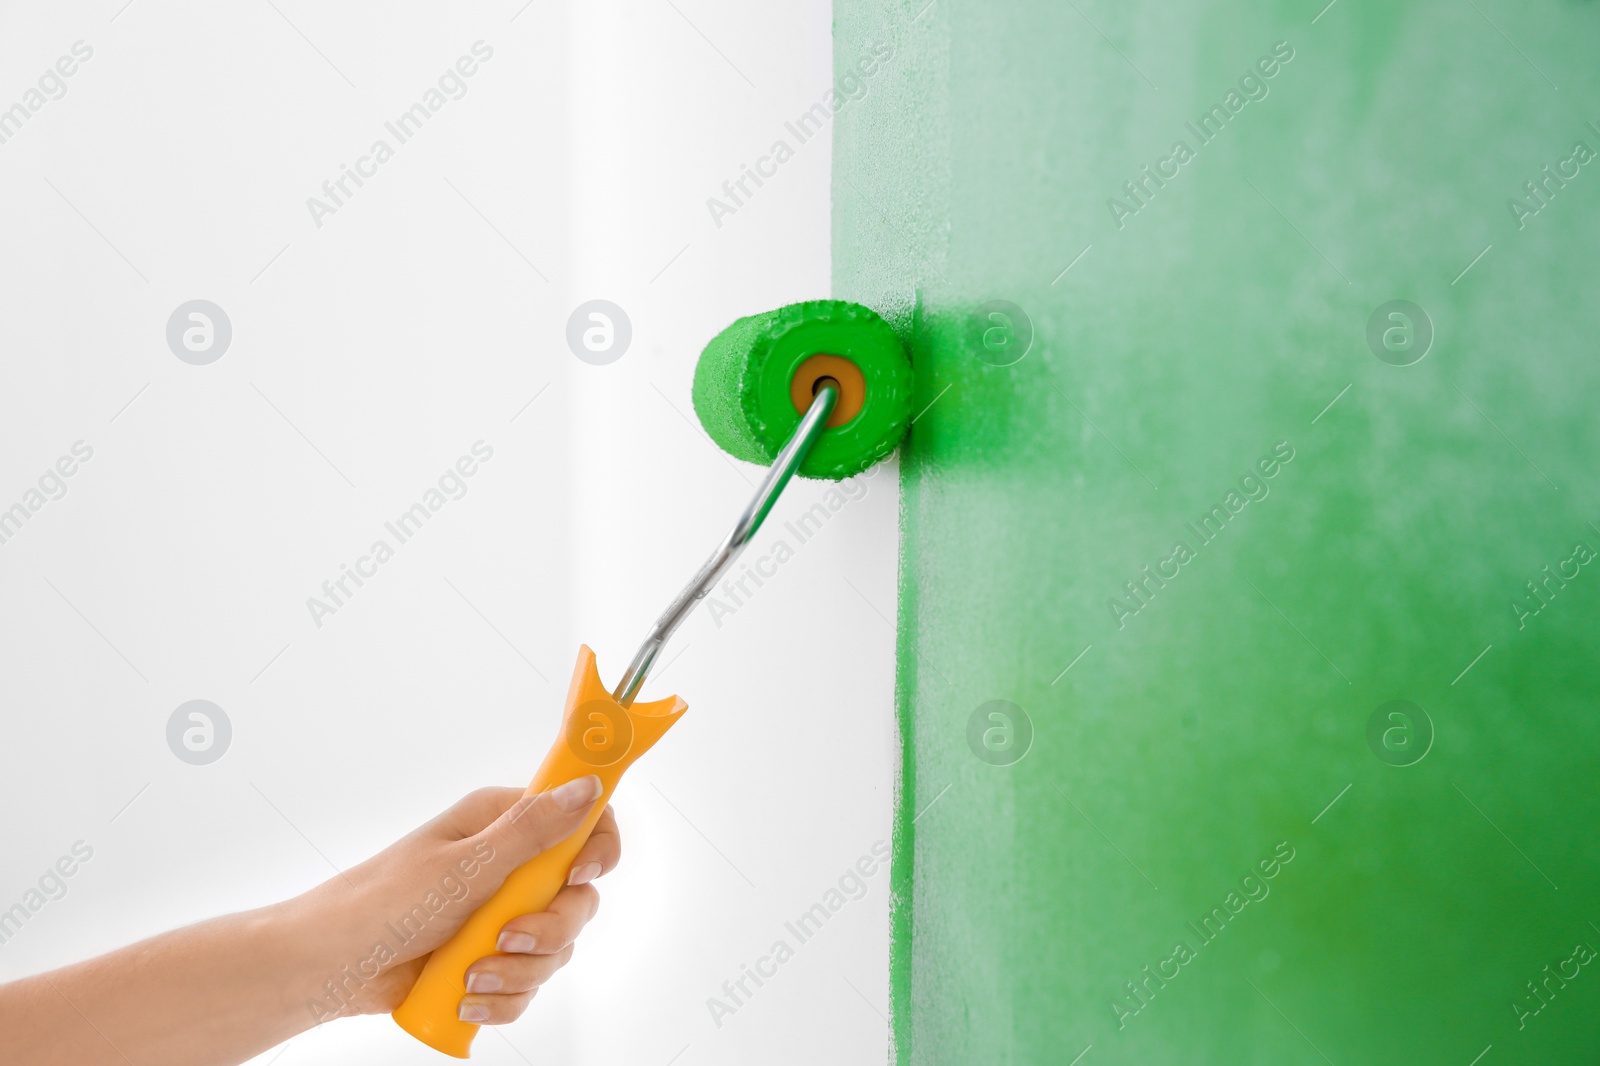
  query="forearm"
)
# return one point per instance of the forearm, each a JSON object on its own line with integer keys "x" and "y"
{"x": 215, "y": 993}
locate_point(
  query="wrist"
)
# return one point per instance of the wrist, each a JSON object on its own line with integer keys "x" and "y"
{"x": 342, "y": 965}
{"x": 309, "y": 939}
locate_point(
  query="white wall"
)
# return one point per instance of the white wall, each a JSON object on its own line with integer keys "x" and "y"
{"x": 367, "y": 355}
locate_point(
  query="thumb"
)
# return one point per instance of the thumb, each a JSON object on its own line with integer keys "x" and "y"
{"x": 535, "y": 824}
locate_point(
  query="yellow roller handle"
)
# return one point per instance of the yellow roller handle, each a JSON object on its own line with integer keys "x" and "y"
{"x": 598, "y": 736}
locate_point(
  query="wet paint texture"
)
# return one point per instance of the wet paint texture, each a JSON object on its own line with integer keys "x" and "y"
{"x": 1213, "y": 408}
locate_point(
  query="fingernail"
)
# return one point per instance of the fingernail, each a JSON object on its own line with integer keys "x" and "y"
{"x": 473, "y": 1012}
{"x": 582, "y": 875}
{"x": 576, "y": 795}
{"x": 484, "y": 982}
{"x": 516, "y": 943}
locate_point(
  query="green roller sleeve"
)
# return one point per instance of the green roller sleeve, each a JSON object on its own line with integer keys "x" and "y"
{"x": 743, "y": 385}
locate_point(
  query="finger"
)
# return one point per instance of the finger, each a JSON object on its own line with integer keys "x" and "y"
{"x": 494, "y": 1010}
{"x": 503, "y": 974}
{"x": 474, "y": 811}
{"x": 600, "y": 853}
{"x": 550, "y": 932}
{"x": 535, "y": 824}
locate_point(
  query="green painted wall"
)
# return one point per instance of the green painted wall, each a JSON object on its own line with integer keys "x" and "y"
{"x": 1221, "y": 717}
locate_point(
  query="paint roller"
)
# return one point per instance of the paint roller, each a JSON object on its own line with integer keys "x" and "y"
{"x": 821, "y": 389}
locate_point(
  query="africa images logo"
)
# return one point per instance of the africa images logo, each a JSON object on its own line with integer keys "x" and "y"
{"x": 1252, "y": 86}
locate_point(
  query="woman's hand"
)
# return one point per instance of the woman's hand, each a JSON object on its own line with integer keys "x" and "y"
{"x": 381, "y": 919}
{"x": 224, "y": 990}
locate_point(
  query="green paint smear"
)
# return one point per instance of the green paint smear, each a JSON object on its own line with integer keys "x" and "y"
{"x": 1206, "y": 330}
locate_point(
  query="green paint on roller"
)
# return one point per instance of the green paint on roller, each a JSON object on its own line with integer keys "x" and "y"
{"x": 742, "y": 385}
